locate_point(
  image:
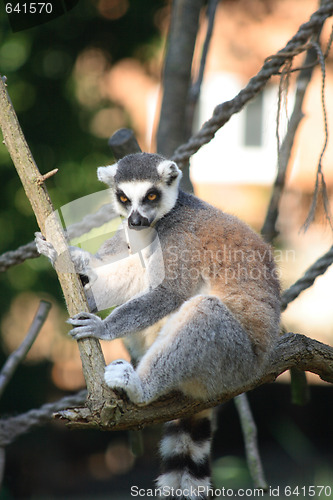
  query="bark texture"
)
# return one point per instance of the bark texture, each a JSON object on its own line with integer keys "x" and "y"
{"x": 292, "y": 350}
{"x": 33, "y": 183}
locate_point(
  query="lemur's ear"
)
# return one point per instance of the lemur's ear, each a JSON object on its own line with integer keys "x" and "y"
{"x": 169, "y": 171}
{"x": 106, "y": 174}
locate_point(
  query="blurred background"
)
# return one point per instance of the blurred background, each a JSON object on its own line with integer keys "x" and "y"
{"x": 73, "y": 82}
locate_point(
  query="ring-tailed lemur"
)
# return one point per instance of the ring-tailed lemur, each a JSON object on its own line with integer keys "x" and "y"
{"x": 208, "y": 323}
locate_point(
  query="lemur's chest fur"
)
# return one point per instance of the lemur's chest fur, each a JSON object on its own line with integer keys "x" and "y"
{"x": 195, "y": 249}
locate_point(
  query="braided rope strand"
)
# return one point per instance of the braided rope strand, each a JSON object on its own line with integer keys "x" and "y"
{"x": 306, "y": 281}
{"x": 12, "y": 427}
{"x": 223, "y": 112}
{"x": 14, "y": 257}
{"x": 29, "y": 251}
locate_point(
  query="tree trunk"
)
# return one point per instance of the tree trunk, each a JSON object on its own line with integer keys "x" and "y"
{"x": 177, "y": 79}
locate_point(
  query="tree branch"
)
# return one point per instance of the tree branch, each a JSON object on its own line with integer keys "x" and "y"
{"x": 249, "y": 430}
{"x": 182, "y": 36}
{"x": 16, "y": 357}
{"x": 177, "y": 74}
{"x": 2, "y": 464}
{"x": 90, "y": 350}
{"x": 194, "y": 92}
{"x": 120, "y": 414}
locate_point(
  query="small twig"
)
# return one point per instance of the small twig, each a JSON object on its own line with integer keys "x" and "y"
{"x": 46, "y": 176}
{"x": 19, "y": 354}
{"x": 249, "y": 430}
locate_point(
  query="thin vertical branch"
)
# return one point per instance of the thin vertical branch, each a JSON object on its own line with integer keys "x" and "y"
{"x": 19, "y": 354}
{"x": 177, "y": 73}
{"x": 2, "y": 463}
{"x": 194, "y": 92}
{"x": 250, "y": 437}
{"x": 177, "y": 79}
{"x": 300, "y": 392}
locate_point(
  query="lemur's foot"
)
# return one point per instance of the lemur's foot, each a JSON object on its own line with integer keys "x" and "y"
{"x": 45, "y": 248}
{"x": 121, "y": 375}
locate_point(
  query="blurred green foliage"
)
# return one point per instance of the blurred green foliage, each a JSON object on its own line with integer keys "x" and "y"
{"x": 39, "y": 64}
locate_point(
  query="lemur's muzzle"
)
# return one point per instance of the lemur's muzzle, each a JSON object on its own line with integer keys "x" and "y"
{"x": 137, "y": 221}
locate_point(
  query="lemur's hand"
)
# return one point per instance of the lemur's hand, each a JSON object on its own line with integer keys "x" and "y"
{"x": 45, "y": 248}
{"x": 88, "y": 325}
{"x": 82, "y": 263}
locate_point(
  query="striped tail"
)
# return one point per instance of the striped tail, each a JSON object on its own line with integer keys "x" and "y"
{"x": 185, "y": 451}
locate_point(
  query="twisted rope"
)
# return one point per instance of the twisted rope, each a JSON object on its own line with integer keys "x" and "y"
{"x": 12, "y": 427}
{"x": 103, "y": 215}
{"x": 318, "y": 268}
{"x": 221, "y": 115}
{"x": 223, "y": 112}
{"x": 14, "y": 257}
{"x": 29, "y": 251}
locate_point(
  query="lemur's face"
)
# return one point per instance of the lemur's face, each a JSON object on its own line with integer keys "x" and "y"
{"x": 144, "y": 187}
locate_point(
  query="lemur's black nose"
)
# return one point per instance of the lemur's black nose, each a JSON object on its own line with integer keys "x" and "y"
{"x": 137, "y": 221}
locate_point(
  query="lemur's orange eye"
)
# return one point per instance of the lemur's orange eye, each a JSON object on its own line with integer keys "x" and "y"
{"x": 123, "y": 198}
{"x": 152, "y": 196}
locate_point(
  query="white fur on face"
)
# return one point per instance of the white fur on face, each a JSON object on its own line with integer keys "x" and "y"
{"x": 135, "y": 191}
{"x": 169, "y": 198}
